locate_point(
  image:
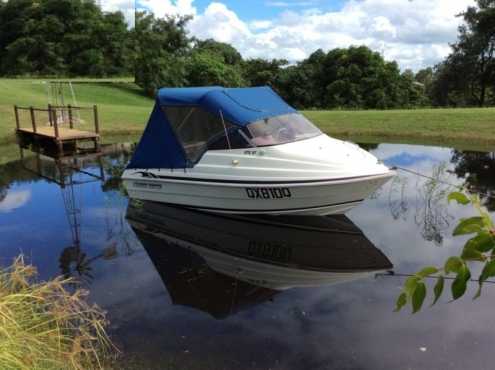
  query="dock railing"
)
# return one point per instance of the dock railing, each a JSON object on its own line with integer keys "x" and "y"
{"x": 63, "y": 126}
{"x": 55, "y": 116}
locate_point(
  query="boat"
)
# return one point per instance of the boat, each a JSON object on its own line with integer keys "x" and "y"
{"x": 277, "y": 253}
{"x": 246, "y": 151}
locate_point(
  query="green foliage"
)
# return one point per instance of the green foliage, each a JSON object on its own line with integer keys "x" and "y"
{"x": 350, "y": 78}
{"x": 469, "y": 226}
{"x": 459, "y": 197}
{"x": 227, "y": 52}
{"x": 418, "y": 296}
{"x": 438, "y": 288}
{"x": 205, "y": 68}
{"x": 480, "y": 248}
{"x": 161, "y": 47}
{"x": 467, "y": 76}
{"x": 260, "y": 72}
{"x": 62, "y": 37}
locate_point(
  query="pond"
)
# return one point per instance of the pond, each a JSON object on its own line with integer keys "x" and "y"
{"x": 188, "y": 290}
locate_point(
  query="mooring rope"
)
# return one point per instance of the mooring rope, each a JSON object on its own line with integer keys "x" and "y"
{"x": 390, "y": 273}
{"x": 460, "y": 187}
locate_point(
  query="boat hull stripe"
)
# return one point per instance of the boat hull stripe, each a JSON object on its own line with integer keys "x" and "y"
{"x": 286, "y": 182}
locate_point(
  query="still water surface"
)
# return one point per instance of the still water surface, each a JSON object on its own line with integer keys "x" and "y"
{"x": 186, "y": 290}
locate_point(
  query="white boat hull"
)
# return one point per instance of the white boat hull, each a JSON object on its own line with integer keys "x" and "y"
{"x": 313, "y": 198}
{"x": 319, "y": 176}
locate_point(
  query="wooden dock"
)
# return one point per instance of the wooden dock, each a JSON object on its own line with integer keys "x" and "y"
{"x": 54, "y": 135}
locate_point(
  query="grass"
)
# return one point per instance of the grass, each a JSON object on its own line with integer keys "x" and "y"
{"x": 471, "y": 127}
{"x": 124, "y": 110}
{"x": 45, "y": 326}
{"x": 122, "y": 106}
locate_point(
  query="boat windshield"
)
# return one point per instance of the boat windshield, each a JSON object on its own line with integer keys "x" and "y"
{"x": 281, "y": 129}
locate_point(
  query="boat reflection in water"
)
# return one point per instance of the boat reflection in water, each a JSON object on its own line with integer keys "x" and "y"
{"x": 223, "y": 264}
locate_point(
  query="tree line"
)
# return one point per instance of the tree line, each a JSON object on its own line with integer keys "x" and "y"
{"x": 62, "y": 38}
{"x": 75, "y": 38}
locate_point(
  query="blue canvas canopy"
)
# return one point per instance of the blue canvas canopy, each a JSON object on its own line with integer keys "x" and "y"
{"x": 160, "y": 147}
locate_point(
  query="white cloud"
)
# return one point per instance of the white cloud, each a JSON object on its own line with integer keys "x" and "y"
{"x": 222, "y": 24}
{"x": 14, "y": 200}
{"x": 416, "y": 33}
{"x": 260, "y": 25}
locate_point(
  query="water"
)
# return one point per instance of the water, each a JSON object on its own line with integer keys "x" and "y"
{"x": 175, "y": 301}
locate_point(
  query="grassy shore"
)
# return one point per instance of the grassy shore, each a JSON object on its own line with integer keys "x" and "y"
{"x": 124, "y": 110}
{"x": 472, "y": 127}
{"x": 122, "y": 106}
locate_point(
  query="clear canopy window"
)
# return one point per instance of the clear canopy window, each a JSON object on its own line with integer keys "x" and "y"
{"x": 281, "y": 129}
{"x": 199, "y": 130}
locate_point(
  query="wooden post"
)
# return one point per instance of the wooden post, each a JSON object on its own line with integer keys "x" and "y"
{"x": 97, "y": 124}
{"x": 102, "y": 171}
{"x": 50, "y": 115}
{"x": 97, "y": 144}
{"x": 16, "y": 111}
{"x": 33, "y": 119}
{"x": 38, "y": 162}
{"x": 55, "y": 123}
{"x": 71, "y": 124}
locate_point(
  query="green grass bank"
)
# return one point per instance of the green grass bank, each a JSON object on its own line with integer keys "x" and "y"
{"x": 122, "y": 106}
{"x": 124, "y": 110}
{"x": 463, "y": 127}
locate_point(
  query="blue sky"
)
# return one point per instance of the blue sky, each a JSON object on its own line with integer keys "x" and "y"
{"x": 268, "y": 9}
{"x": 414, "y": 33}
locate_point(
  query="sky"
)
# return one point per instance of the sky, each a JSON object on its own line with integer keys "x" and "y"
{"x": 415, "y": 33}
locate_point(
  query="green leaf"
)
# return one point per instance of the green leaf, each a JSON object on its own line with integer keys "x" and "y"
{"x": 459, "y": 197}
{"x": 487, "y": 220}
{"x": 427, "y": 271}
{"x": 460, "y": 283}
{"x": 469, "y": 226}
{"x": 453, "y": 264}
{"x": 471, "y": 254}
{"x": 483, "y": 242}
{"x": 438, "y": 289}
{"x": 410, "y": 285}
{"x": 487, "y": 272}
{"x": 401, "y": 302}
{"x": 418, "y": 296}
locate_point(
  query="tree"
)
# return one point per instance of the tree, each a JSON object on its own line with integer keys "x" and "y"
{"x": 206, "y": 68}
{"x": 229, "y": 54}
{"x": 477, "y": 168}
{"x": 161, "y": 48}
{"x": 351, "y": 78}
{"x": 260, "y": 72}
{"x": 467, "y": 76}
{"x": 60, "y": 37}
{"x": 301, "y": 84}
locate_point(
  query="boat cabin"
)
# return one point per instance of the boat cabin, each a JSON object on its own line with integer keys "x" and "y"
{"x": 187, "y": 122}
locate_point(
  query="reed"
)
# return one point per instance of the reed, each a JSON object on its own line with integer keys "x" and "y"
{"x": 48, "y": 325}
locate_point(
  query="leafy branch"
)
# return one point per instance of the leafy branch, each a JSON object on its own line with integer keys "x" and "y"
{"x": 480, "y": 248}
